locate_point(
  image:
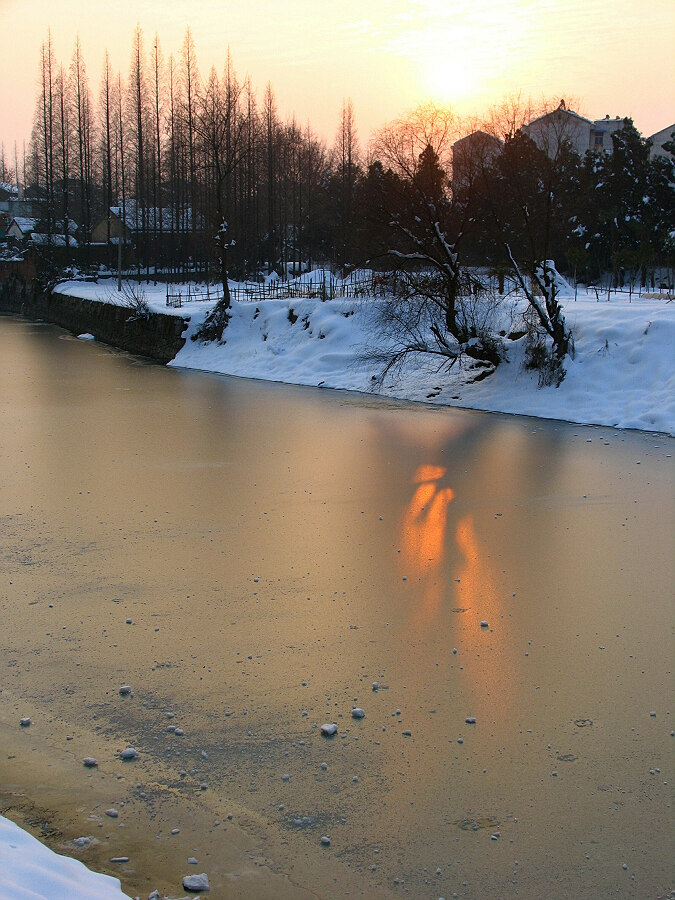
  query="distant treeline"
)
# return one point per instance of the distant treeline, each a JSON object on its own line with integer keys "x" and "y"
{"x": 199, "y": 167}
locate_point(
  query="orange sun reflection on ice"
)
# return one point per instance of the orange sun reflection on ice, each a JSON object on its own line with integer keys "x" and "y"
{"x": 423, "y": 530}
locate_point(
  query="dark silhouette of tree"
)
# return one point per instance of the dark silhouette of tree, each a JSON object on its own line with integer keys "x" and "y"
{"x": 427, "y": 227}
{"x": 522, "y": 196}
{"x": 626, "y": 209}
{"x": 82, "y": 122}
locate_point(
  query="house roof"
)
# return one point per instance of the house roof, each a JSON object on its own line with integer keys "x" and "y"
{"x": 56, "y": 239}
{"x": 10, "y": 189}
{"x": 560, "y": 111}
{"x": 478, "y": 137}
{"x": 28, "y": 224}
{"x": 664, "y": 135}
{"x": 132, "y": 214}
{"x": 25, "y": 224}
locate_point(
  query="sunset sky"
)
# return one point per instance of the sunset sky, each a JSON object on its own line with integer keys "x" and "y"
{"x": 615, "y": 56}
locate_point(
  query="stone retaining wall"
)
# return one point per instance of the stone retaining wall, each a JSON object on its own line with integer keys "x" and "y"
{"x": 158, "y": 336}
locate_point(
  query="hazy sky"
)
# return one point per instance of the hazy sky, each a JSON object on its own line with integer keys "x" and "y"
{"x": 616, "y": 56}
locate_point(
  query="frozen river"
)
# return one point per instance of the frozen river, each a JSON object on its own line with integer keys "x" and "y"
{"x": 252, "y": 558}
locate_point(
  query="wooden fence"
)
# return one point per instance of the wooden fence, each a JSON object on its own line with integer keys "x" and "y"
{"x": 252, "y": 292}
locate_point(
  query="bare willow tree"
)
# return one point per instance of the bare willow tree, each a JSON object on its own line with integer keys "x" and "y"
{"x": 400, "y": 143}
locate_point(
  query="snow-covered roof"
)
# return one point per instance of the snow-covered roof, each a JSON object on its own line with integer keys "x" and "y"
{"x": 28, "y": 224}
{"x": 25, "y": 224}
{"x": 56, "y": 239}
{"x": 560, "y": 111}
{"x": 133, "y": 216}
{"x": 9, "y": 188}
{"x": 613, "y": 124}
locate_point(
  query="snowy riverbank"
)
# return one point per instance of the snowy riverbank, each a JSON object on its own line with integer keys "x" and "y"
{"x": 622, "y": 374}
{"x": 31, "y": 871}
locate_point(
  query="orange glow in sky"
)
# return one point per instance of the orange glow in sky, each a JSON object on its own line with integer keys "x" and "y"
{"x": 388, "y": 56}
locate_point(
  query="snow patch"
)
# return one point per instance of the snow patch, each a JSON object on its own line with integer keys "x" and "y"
{"x": 31, "y": 871}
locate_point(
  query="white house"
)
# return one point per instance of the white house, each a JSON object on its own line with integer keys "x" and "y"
{"x": 601, "y": 137}
{"x": 549, "y": 132}
{"x": 562, "y": 126}
{"x": 471, "y": 153}
{"x": 660, "y": 138}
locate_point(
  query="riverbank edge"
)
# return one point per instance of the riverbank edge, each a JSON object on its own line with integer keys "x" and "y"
{"x": 161, "y": 337}
{"x": 153, "y": 335}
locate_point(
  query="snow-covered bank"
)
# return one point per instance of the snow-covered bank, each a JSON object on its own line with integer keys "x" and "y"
{"x": 622, "y": 375}
{"x": 31, "y": 871}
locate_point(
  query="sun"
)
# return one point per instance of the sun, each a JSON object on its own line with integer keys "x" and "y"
{"x": 449, "y": 60}
{"x": 450, "y": 75}
{"x": 458, "y": 50}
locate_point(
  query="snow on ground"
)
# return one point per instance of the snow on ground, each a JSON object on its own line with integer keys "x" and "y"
{"x": 31, "y": 871}
{"x": 622, "y": 375}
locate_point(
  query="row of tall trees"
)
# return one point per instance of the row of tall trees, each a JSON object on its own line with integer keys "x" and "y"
{"x": 206, "y": 151}
{"x": 199, "y": 166}
{"x": 181, "y": 154}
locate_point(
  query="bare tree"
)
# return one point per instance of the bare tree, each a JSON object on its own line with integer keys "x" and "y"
{"x": 137, "y": 100}
{"x": 271, "y": 128}
{"x": 400, "y": 143}
{"x": 121, "y": 175}
{"x": 157, "y": 76}
{"x": 63, "y": 148}
{"x": 346, "y": 165}
{"x": 189, "y": 76}
{"x": 106, "y": 139}
{"x": 221, "y": 132}
{"x": 81, "y": 104}
{"x": 436, "y": 311}
{"x": 44, "y": 131}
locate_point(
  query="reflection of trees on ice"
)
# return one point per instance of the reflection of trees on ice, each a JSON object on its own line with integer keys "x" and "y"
{"x": 475, "y": 585}
{"x": 424, "y": 528}
{"x": 423, "y": 538}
